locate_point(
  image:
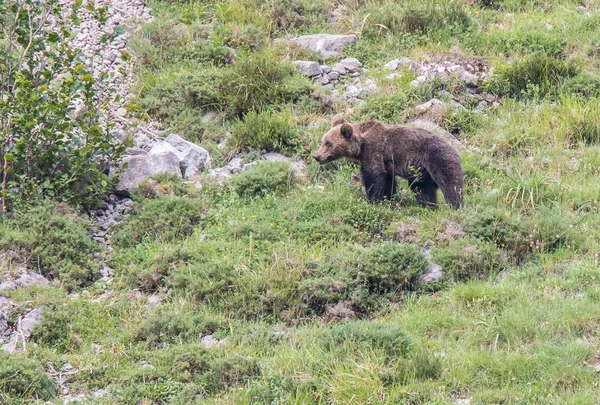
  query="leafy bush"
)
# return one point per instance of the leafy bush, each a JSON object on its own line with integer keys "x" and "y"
{"x": 22, "y": 378}
{"x": 186, "y": 373}
{"x": 367, "y": 281}
{"x": 364, "y": 335}
{"x": 51, "y": 237}
{"x": 50, "y": 147}
{"x": 468, "y": 259}
{"x": 262, "y": 178}
{"x": 175, "y": 328}
{"x": 205, "y": 281}
{"x": 462, "y": 121}
{"x": 162, "y": 219}
{"x": 267, "y": 131}
{"x": 536, "y": 75}
{"x": 389, "y": 268}
{"x": 583, "y": 85}
{"x": 55, "y": 331}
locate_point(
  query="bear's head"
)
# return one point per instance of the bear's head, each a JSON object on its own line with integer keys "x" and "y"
{"x": 340, "y": 141}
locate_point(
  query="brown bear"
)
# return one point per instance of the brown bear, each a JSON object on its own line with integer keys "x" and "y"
{"x": 426, "y": 160}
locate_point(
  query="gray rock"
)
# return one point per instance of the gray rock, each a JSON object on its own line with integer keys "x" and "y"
{"x": 468, "y": 78}
{"x": 275, "y": 157}
{"x": 210, "y": 116}
{"x": 8, "y": 285}
{"x": 327, "y": 45}
{"x": 436, "y": 129}
{"x": 404, "y": 61}
{"x": 433, "y": 274}
{"x": 325, "y": 79}
{"x": 333, "y": 75}
{"x": 209, "y": 341}
{"x": 137, "y": 168}
{"x": 26, "y": 325}
{"x": 352, "y": 65}
{"x": 192, "y": 158}
{"x": 6, "y": 307}
{"x": 31, "y": 279}
{"x": 308, "y": 68}
{"x": 432, "y": 110}
{"x": 325, "y": 68}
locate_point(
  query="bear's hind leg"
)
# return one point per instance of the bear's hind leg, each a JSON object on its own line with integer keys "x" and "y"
{"x": 425, "y": 191}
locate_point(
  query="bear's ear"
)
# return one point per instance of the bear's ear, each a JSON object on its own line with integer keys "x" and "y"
{"x": 346, "y": 131}
{"x": 338, "y": 120}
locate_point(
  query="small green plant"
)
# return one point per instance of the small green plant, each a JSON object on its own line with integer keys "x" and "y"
{"x": 263, "y": 178}
{"x": 389, "y": 268}
{"x": 160, "y": 219}
{"x": 51, "y": 238}
{"x": 23, "y": 380}
{"x": 364, "y": 335}
{"x": 267, "y": 131}
{"x": 469, "y": 259}
{"x": 175, "y": 328}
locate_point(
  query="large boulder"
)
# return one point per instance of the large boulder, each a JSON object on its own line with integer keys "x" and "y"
{"x": 137, "y": 168}
{"x": 25, "y": 327}
{"x": 192, "y": 158}
{"x": 328, "y": 45}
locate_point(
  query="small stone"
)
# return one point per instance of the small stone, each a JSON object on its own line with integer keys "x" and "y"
{"x": 325, "y": 79}
{"x": 352, "y": 65}
{"x": 433, "y": 274}
{"x": 333, "y": 75}
{"x": 325, "y": 68}
{"x": 209, "y": 341}
{"x": 308, "y": 68}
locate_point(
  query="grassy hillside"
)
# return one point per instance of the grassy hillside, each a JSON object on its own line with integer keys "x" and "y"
{"x": 308, "y": 293}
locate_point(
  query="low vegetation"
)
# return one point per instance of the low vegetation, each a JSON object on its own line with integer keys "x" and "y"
{"x": 279, "y": 288}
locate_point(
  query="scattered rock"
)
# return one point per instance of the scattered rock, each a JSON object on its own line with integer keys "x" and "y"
{"x": 209, "y": 341}
{"x": 30, "y": 279}
{"x": 452, "y": 231}
{"x": 327, "y": 45}
{"x": 25, "y": 326}
{"x": 308, "y": 68}
{"x": 433, "y": 274}
{"x": 352, "y": 65}
{"x": 340, "y": 311}
{"x": 433, "y": 111}
{"x": 407, "y": 232}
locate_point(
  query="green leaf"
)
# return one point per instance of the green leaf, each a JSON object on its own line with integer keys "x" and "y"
{"x": 119, "y": 30}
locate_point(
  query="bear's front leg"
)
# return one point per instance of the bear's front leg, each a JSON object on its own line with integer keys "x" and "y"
{"x": 375, "y": 184}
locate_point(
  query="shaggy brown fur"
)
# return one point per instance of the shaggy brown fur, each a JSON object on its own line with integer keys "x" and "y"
{"x": 387, "y": 151}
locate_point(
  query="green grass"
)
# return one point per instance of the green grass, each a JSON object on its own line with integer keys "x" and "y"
{"x": 313, "y": 291}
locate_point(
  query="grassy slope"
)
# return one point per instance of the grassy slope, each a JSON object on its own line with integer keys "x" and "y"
{"x": 516, "y": 323}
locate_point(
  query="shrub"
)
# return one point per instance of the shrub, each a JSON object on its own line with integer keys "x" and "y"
{"x": 537, "y": 75}
{"x": 164, "y": 219}
{"x": 467, "y": 259}
{"x": 416, "y": 18}
{"x": 462, "y": 121}
{"x": 48, "y": 146}
{"x": 364, "y": 335}
{"x": 175, "y": 328}
{"x": 584, "y": 85}
{"x": 366, "y": 281}
{"x": 267, "y": 131}
{"x": 206, "y": 281}
{"x": 258, "y": 80}
{"x": 55, "y": 330}
{"x": 51, "y": 237}
{"x": 22, "y": 378}
{"x": 389, "y": 268}
{"x": 263, "y": 178}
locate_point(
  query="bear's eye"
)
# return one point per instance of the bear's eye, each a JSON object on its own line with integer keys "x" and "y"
{"x": 328, "y": 144}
